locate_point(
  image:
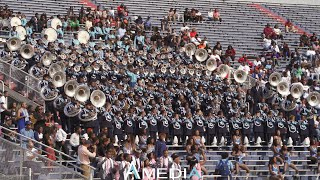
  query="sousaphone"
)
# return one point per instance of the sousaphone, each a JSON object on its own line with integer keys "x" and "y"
{"x": 211, "y": 64}
{"x": 296, "y": 90}
{"x": 313, "y": 98}
{"x": 83, "y": 37}
{"x": 14, "y": 44}
{"x": 27, "y": 51}
{"x": 15, "y": 21}
{"x": 55, "y": 22}
{"x": 51, "y": 33}
{"x": 190, "y": 49}
{"x": 48, "y": 94}
{"x": 223, "y": 70}
{"x": 70, "y": 87}
{"x": 240, "y": 76}
{"x": 59, "y": 79}
{"x": 275, "y": 79}
{"x": 98, "y": 98}
{"x": 82, "y": 93}
{"x": 54, "y": 68}
{"x": 22, "y": 33}
{"x": 283, "y": 88}
{"x": 201, "y": 55}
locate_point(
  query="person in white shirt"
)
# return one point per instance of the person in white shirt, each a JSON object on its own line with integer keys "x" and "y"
{"x": 61, "y": 137}
{"x": 267, "y": 43}
{"x": 108, "y": 167}
{"x": 215, "y": 56}
{"x": 31, "y": 152}
{"x": 278, "y": 32}
{"x": 4, "y": 106}
{"x": 165, "y": 160}
{"x": 184, "y": 28}
{"x": 257, "y": 62}
{"x": 175, "y": 165}
{"x": 210, "y": 15}
{"x": 75, "y": 140}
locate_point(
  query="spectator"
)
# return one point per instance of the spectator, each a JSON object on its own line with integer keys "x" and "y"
{"x": 27, "y": 132}
{"x": 268, "y": 32}
{"x": 289, "y": 26}
{"x": 230, "y": 52}
{"x": 75, "y": 140}
{"x": 160, "y": 145}
{"x": 147, "y": 24}
{"x": 216, "y": 15}
{"x": 84, "y": 154}
{"x": 277, "y": 32}
{"x": 7, "y": 134}
{"x": 304, "y": 40}
{"x": 108, "y": 166}
{"x": 61, "y": 137}
{"x": 4, "y": 106}
{"x": 210, "y": 15}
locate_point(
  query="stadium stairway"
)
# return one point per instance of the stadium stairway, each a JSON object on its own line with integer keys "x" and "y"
{"x": 13, "y": 162}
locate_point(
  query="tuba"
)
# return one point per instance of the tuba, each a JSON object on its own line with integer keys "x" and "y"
{"x": 240, "y": 76}
{"x": 31, "y": 72}
{"x": 59, "y": 79}
{"x": 14, "y": 44}
{"x": 90, "y": 116}
{"x": 296, "y": 90}
{"x": 283, "y": 88}
{"x": 70, "y": 88}
{"x": 47, "y": 94}
{"x": 82, "y": 93}
{"x": 288, "y": 104}
{"x": 275, "y": 79}
{"x": 51, "y": 33}
{"x": 314, "y": 98}
{"x": 211, "y": 64}
{"x": 83, "y": 37}
{"x": 201, "y": 55}
{"x": 71, "y": 109}
{"x": 98, "y": 98}
{"x": 27, "y": 51}
{"x": 223, "y": 71}
{"x": 190, "y": 49}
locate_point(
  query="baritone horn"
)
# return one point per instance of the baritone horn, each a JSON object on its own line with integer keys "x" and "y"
{"x": 240, "y": 76}
{"x": 98, "y": 98}
{"x": 201, "y": 55}
{"x": 223, "y": 71}
{"x": 275, "y": 79}
{"x": 14, "y": 44}
{"x": 211, "y": 64}
{"x": 82, "y": 93}
{"x": 283, "y": 88}
{"x": 70, "y": 87}
{"x": 59, "y": 79}
{"x": 314, "y": 98}
{"x": 27, "y": 51}
{"x": 296, "y": 90}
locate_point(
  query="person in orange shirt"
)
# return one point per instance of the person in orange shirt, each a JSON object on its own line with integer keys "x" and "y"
{"x": 202, "y": 45}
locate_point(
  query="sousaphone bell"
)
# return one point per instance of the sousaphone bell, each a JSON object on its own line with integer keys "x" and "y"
{"x": 296, "y": 90}
{"x": 27, "y": 51}
{"x": 14, "y": 44}
{"x": 82, "y": 93}
{"x": 59, "y": 79}
{"x": 223, "y": 70}
{"x": 98, "y": 98}
{"x": 211, "y": 64}
{"x": 54, "y": 68}
{"x": 283, "y": 88}
{"x": 275, "y": 79}
{"x": 190, "y": 49}
{"x": 240, "y": 76}
{"x": 313, "y": 98}
{"x": 201, "y": 55}
{"x": 70, "y": 87}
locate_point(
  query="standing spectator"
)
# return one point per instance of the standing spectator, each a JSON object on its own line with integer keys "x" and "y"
{"x": 147, "y": 24}
{"x": 22, "y": 116}
{"x": 160, "y": 145}
{"x": 268, "y": 32}
{"x": 27, "y": 132}
{"x": 278, "y": 32}
{"x": 84, "y": 157}
{"x": 75, "y": 140}
{"x": 108, "y": 166}
{"x": 61, "y": 137}
{"x": 224, "y": 167}
{"x": 4, "y": 106}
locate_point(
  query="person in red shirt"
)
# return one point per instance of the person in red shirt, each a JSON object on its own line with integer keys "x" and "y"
{"x": 193, "y": 33}
{"x": 289, "y": 26}
{"x": 268, "y": 32}
{"x": 243, "y": 58}
{"x": 120, "y": 10}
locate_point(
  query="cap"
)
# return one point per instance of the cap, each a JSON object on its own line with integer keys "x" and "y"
{"x": 28, "y": 122}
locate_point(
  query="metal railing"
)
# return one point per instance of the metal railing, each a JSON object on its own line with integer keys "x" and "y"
{"x": 20, "y": 81}
{"x": 65, "y": 166}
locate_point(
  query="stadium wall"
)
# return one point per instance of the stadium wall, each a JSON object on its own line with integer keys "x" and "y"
{"x": 310, "y": 2}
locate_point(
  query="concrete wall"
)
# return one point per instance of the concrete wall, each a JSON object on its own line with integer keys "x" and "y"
{"x": 310, "y": 2}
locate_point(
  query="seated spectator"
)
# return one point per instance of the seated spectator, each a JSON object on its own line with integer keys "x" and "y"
{"x": 230, "y": 52}
{"x": 186, "y": 15}
{"x": 289, "y": 26}
{"x": 171, "y": 16}
{"x": 243, "y": 58}
{"x": 277, "y": 32}
{"x": 216, "y": 15}
{"x": 304, "y": 40}
{"x": 198, "y": 17}
{"x": 313, "y": 38}
{"x": 267, "y": 44}
{"x": 147, "y": 24}
{"x": 210, "y": 15}
{"x": 218, "y": 48}
{"x": 121, "y": 10}
{"x": 268, "y": 32}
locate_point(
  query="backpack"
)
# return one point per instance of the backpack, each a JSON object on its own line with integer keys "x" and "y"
{"x": 223, "y": 168}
